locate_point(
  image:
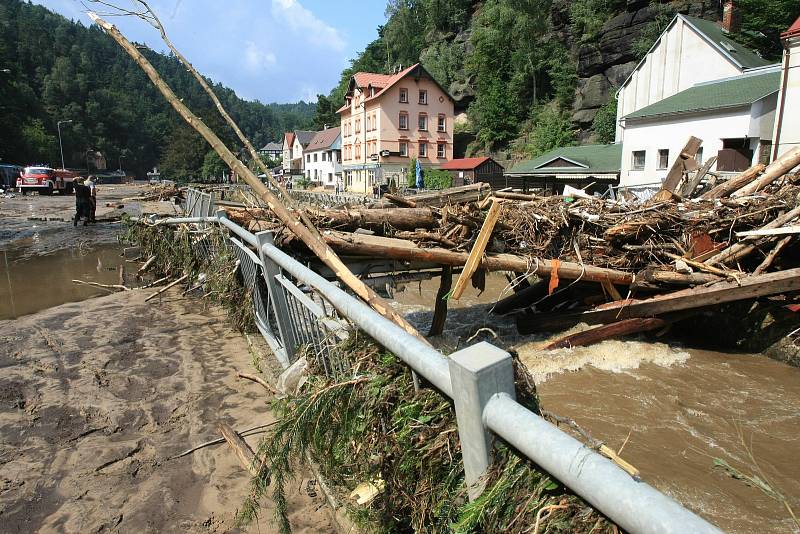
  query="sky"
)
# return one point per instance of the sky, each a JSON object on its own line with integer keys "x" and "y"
{"x": 267, "y": 50}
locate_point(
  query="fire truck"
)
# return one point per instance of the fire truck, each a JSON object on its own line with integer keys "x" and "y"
{"x": 45, "y": 180}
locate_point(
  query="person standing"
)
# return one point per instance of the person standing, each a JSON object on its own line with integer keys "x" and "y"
{"x": 92, "y": 185}
{"x": 82, "y": 196}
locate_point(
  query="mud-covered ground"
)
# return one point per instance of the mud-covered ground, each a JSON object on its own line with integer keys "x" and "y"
{"x": 97, "y": 396}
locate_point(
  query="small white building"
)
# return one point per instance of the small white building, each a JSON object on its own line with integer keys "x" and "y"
{"x": 323, "y": 158}
{"x": 294, "y": 143}
{"x": 734, "y": 117}
{"x": 787, "y": 122}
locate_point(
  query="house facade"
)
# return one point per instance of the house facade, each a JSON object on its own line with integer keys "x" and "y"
{"x": 473, "y": 170}
{"x": 288, "y": 152}
{"x": 294, "y": 144}
{"x": 271, "y": 150}
{"x": 387, "y": 120}
{"x": 322, "y": 158}
{"x": 787, "y": 121}
{"x": 594, "y": 167}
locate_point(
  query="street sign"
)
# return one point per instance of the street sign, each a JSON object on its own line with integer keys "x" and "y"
{"x": 385, "y": 153}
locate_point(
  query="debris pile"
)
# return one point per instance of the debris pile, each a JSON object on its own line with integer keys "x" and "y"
{"x": 700, "y": 242}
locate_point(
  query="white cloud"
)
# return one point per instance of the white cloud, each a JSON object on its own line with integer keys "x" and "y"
{"x": 256, "y": 59}
{"x": 300, "y": 19}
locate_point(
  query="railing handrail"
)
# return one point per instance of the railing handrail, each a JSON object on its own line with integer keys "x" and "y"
{"x": 631, "y": 503}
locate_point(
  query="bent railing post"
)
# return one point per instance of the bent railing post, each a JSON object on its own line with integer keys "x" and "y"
{"x": 478, "y": 373}
{"x": 277, "y": 298}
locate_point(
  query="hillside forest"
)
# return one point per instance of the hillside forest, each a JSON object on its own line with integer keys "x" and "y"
{"x": 531, "y": 75}
{"x": 61, "y": 70}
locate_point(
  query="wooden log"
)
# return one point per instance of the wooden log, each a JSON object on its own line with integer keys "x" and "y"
{"x": 515, "y": 196}
{"x": 739, "y": 250}
{"x": 454, "y": 195}
{"x": 701, "y": 173}
{"x": 679, "y": 279}
{"x": 305, "y": 231}
{"x": 698, "y": 265}
{"x": 400, "y": 218}
{"x": 243, "y": 451}
{"x": 426, "y": 236}
{"x": 258, "y": 380}
{"x": 475, "y": 255}
{"x": 684, "y": 161}
{"x": 115, "y": 287}
{"x": 767, "y": 262}
{"x": 491, "y": 262}
{"x": 440, "y": 307}
{"x": 686, "y": 299}
{"x": 785, "y": 163}
{"x": 400, "y": 201}
{"x": 737, "y": 182}
{"x": 601, "y": 333}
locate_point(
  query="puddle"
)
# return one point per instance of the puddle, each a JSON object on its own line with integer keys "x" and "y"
{"x": 32, "y": 283}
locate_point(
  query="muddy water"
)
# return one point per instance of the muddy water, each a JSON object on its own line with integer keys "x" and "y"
{"x": 682, "y": 407}
{"x": 32, "y": 283}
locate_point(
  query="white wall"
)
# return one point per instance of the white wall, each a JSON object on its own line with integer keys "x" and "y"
{"x": 672, "y": 134}
{"x": 789, "y": 136}
{"x": 681, "y": 58}
{"x": 322, "y": 168}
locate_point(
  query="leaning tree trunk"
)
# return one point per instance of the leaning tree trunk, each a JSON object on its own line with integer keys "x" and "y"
{"x": 322, "y": 250}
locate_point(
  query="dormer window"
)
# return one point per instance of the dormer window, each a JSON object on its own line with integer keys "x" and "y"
{"x": 423, "y": 97}
{"x": 403, "y": 95}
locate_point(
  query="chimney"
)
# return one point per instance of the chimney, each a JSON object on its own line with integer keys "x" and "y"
{"x": 730, "y": 17}
{"x": 324, "y": 126}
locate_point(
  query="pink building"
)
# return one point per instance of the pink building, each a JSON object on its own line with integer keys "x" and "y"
{"x": 388, "y": 119}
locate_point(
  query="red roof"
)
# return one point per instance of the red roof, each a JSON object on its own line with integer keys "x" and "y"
{"x": 793, "y": 30}
{"x": 365, "y": 79}
{"x": 466, "y": 164}
{"x": 289, "y": 138}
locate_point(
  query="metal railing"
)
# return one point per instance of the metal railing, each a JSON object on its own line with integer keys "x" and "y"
{"x": 479, "y": 380}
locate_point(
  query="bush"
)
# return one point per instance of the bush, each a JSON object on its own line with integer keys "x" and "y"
{"x": 551, "y": 129}
{"x": 605, "y": 122}
{"x": 437, "y": 179}
{"x": 411, "y": 173}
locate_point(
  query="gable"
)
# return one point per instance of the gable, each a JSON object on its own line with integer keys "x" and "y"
{"x": 561, "y": 162}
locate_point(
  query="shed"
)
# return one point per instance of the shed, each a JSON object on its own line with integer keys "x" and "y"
{"x": 473, "y": 170}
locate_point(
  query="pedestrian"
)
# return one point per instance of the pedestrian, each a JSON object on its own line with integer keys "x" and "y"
{"x": 82, "y": 196}
{"x": 92, "y": 185}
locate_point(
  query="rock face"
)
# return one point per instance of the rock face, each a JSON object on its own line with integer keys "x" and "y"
{"x": 605, "y": 62}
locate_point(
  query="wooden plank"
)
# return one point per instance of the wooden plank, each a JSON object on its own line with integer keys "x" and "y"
{"x": 476, "y": 254}
{"x": 692, "y": 184}
{"x": 242, "y": 449}
{"x": 784, "y": 230}
{"x": 686, "y": 299}
{"x": 675, "y": 174}
{"x": 601, "y": 333}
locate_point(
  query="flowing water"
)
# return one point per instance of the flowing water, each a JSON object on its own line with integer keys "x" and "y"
{"x": 30, "y": 283}
{"x": 676, "y": 409}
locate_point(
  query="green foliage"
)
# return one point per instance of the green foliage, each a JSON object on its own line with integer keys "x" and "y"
{"x": 325, "y": 113}
{"x": 588, "y": 16}
{"x": 552, "y": 128}
{"x": 411, "y": 173}
{"x": 494, "y": 114}
{"x": 213, "y": 167}
{"x": 762, "y": 22}
{"x": 443, "y": 60}
{"x": 604, "y": 124}
{"x": 63, "y": 70}
{"x": 664, "y": 13}
{"x": 437, "y": 179}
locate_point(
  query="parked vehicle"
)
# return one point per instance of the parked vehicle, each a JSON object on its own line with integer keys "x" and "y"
{"x": 45, "y": 180}
{"x": 8, "y": 175}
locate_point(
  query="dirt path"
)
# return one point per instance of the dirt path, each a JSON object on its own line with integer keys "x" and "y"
{"x": 96, "y": 396}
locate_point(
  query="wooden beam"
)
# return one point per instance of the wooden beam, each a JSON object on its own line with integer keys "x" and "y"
{"x": 784, "y": 230}
{"x": 686, "y": 299}
{"x": 773, "y": 254}
{"x": 675, "y": 174}
{"x": 729, "y": 186}
{"x": 746, "y": 246}
{"x": 475, "y": 255}
{"x": 785, "y": 163}
{"x": 692, "y": 184}
{"x": 601, "y": 333}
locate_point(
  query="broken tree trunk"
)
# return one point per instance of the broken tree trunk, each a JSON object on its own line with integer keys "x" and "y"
{"x": 774, "y": 170}
{"x": 478, "y": 249}
{"x": 685, "y": 299}
{"x": 400, "y": 218}
{"x": 495, "y": 262}
{"x": 601, "y": 333}
{"x": 308, "y": 235}
{"x": 726, "y": 188}
{"x": 679, "y": 279}
{"x": 440, "y": 307}
{"x": 684, "y": 162}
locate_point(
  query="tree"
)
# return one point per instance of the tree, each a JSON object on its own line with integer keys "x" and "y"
{"x": 494, "y": 114}
{"x": 325, "y": 114}
{"x": 213, "y": 167}
{"x": 552, "y": 129}
{"x": 762, "y": 22}
{"x": 38, "y": 145}
{"x": 605, "y": 122}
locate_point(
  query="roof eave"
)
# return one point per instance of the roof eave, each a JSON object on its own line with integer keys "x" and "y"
{"x": 698, "y": 110}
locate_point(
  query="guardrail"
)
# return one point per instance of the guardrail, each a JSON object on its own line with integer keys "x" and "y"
{"x": 479, "y": 380}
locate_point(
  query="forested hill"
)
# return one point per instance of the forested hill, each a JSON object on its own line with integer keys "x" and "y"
{"x": 63, "y": 70}
{"x": 533, "y": 74}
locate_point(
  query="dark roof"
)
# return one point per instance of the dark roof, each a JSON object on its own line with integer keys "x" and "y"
{"x": 740, "y": 54}
{"x": 324, "y": 139}
{"x": 600, "y": 159}
{"x": 304, "y": 136}
{"x": 272, "y": 147}
{"x": 465, "y": 164}
{"x": 733, "y": 92}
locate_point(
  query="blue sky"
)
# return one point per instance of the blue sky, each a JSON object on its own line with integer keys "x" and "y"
{"x": 267, "y": 50}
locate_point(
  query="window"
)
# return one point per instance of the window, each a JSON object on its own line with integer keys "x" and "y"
{"x": 403, "y": 121}
{"x": 423, "y": 149}
{"x": 663, "y": 158}
{"x": 423, "y": 96}
{"x": 441, "y": 150}
{"x": 358, "y": 126}
{"x": 637, "y": 162}
{"x": 308, "y": 158}
{"x": 315, "y": 157}
{"x": 403, "y": 95}
{"x": 699, "y": 157}
{"x": 442, "y": 124}
{"x": 403, "y": 149}
{"x": 330, "y": 177}
{"x": 423, "y": 122}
